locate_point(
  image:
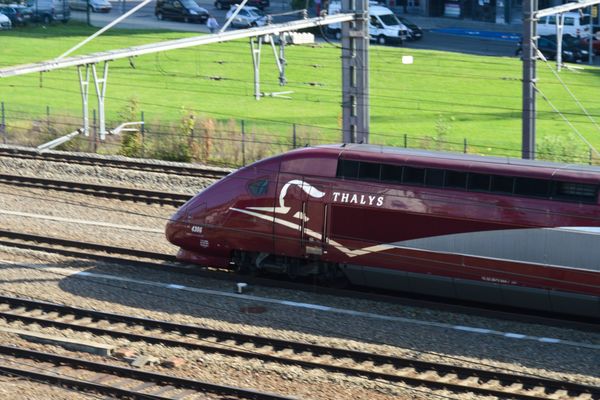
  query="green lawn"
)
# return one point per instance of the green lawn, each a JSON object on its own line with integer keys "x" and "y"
{"x": 448, "y": 95}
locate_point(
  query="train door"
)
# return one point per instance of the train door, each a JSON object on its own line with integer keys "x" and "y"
{"x": 300, "y": 217}
{"x": 314, "y": 235}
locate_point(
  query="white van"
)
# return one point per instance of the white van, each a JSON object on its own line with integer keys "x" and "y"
{"x": 384, "y": 26}
{"x": 574, "y": 24}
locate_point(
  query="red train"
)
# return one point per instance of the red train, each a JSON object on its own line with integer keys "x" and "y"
{"x": 497, "y": 230}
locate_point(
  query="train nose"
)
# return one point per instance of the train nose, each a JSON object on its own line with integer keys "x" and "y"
{"x": 176, "y": 227}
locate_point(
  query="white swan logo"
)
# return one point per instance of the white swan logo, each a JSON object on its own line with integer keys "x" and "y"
{"x": 283, "y": 209}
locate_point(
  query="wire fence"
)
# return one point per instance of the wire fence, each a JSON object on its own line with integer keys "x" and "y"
{"x": 226, "y": 142}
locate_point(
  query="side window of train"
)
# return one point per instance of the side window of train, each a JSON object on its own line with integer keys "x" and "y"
{"x": 348, "y": 169}
{"x": 369, "y": 171}
{"x": 391, "y": 173}
{"x": 576, "y": 191}
{"x": 479, "y": 182}
{"x": 456, "y": 180}
{"x": 259, "y": 187}
{"x": 532, "y": 187}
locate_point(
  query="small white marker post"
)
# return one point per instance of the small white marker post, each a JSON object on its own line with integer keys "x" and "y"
{"x": 241, "y": 286}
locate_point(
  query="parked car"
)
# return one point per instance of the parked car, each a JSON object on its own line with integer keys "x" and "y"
{"x": 95, "y": 5}
{"x": 572, "y": 50}
{"x": 18, "y": 15}
{"x": 414, "y": 31}
{"x": 5, "y": 22}
{"x": 574, "y": 24}
{"x": 248, "y": 17}
{"x": 183, "y": 10}
{"x": 48, "y": 11}
{"x": 225, "y": 4}
{"x": 595, "y": 44}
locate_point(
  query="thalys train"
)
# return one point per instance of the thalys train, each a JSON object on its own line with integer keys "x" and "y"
{"x": 495, "y": 230}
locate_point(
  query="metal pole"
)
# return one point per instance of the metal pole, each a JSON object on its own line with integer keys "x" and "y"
{"x": 84, "y": 85}
{"x": 293, "y": 133}
{"x": 591, "y": 38}
{"x": 3, "y": 124}
{"x": 529, "y": 79}
{"x": 355, "y": 73}
{"x": 560, "y": 23}
{"x": 100, "y": 84}
{"x": 243, "y": 143}
{"x": 143, "y": 131}
{"x": 95, "y": 130}
{"x": 89, "y": 22}
{"x": 256, "y": 63}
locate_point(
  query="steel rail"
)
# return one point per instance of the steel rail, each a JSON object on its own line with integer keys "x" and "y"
{"x": 114, "y": 192}
{"x": 125, "y": 372}
{"x": 168, "y": 263}
{"x": 94, "y": 160}
{"x": 495, "y": 383}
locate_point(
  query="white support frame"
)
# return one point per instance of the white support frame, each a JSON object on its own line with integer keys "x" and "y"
{"x": 84, "y": 84}
{"x": 560, "y": 23}
{"x": 100, "y": 84}
{"x": 255, "y": 50}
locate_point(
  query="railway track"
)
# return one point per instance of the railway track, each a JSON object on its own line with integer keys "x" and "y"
{"x": 334, "y": 360}
{"x": 132, "y": 164}
{"x": 114, "y": 380}
{"x": 106, "y": 191}
{"x": 169, "y": 263}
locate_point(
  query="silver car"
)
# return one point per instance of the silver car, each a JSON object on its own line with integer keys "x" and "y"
{"x": 248, "y": 17}
{"x": 95, "y": 5}
{"x": 5, "y": 22}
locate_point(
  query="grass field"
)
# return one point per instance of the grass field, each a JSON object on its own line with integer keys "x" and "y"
{"x": 446, "y": 95}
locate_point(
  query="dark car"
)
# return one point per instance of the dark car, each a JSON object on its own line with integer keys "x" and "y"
{"x": 18, "y": 15}
{"x": 183, "y": 10}
{"x": 595, "y": 44}
{"x": 572, "y": 49}
{"x": 47, "y": 11}
{"x": 226, "y": 4}
{"x": 415, "y": 32}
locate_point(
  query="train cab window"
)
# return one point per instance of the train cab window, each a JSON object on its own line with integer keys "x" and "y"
{"x": 479, "y": 182}
{"x": 369, "y": 171}
{"x": 456, "y": 180}
{"x": 259, "y": 187}
{"x": 502, "y": 184}
{"x": 434, "y": 177}
{"x": 532, "y": 187}
{"x": 391, "y": 173}
{"x": 348, "y": 169}
{"x": 414, "y": 176}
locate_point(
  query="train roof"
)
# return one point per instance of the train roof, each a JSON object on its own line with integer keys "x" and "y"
{"x": 459, "y": 157}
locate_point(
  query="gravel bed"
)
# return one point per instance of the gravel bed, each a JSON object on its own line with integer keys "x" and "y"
{"x": 563, "y": 362}
{"x": 104, "y": 175}
{"x": 366, "y": 334}
{"x": 89, "y": 208}
{"x": 23, "y": 389}
{"x": 233, "y": 371}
